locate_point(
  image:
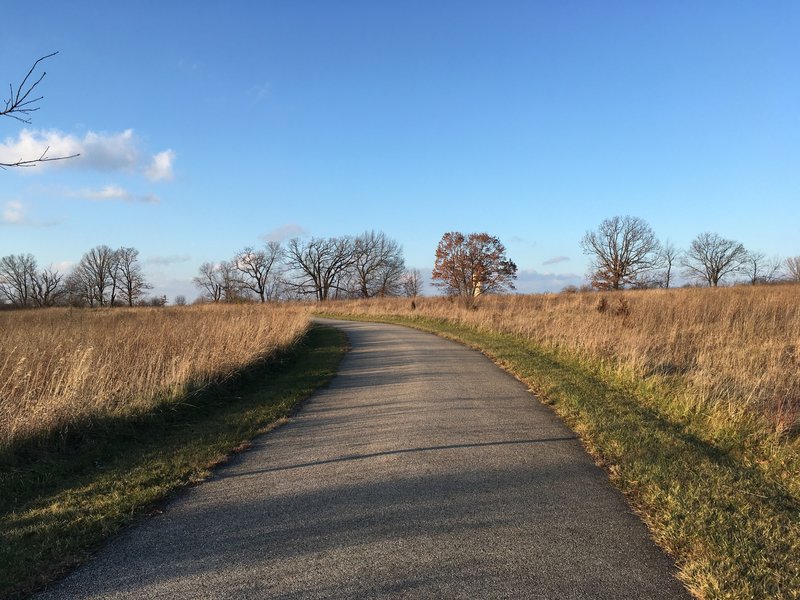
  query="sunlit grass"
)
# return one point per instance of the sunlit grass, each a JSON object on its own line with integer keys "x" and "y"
{"x": 60, "y": 368}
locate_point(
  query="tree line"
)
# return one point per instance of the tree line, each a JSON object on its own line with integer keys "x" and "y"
{"x": 364, "y": 266}
{"x": 103, "y": 277}
{"x": 626, "y": 253}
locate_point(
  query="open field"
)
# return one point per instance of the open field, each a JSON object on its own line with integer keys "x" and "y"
{"x": 136, "y": 405}
{"x": 687, "y": 398}
{"x": 60, "y": 368}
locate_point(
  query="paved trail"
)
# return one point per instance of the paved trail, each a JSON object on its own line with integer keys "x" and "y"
{"x": 423, "y": 471}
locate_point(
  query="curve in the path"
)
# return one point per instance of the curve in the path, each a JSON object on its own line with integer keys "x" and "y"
{"x": 422, "y": 471}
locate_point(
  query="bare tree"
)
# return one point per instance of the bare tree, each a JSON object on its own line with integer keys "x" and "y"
{"x": 668, "y": 258}
{"x": 623, "y": 249}
{"x": 710, "y": 258}
{"x": 99, "y": 272}
{"x": 319, "y": 265}
{"x": 47, "y": 287}
{"x": 793, "y": 268}
{"x": 378, "y": 265}
{"x": 180, "y": 300}
{"x": 105, "y": 275}
{"x": 209, "y": 280}
{"x": 472, "y": 265}
{"x": 233, "y": 288}
{"x": 220, "y": 282}
{"x": 21, "y": 103}
{"x": 412, "y": 283}
{"x": 17, "y": 277}
{"x": 759, "y": 268}
{"x": 256, "y": 268}
{"x": 132, "y": 282}
{"x": 79, "y": 286}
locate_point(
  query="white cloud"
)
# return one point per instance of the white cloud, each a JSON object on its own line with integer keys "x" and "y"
{"x": 102, "y": 151}
{"x": 110, "y": 192}
{"x": 62, "y": 266}
{"x": 166, "y": 260}
{"x": 555, "y": 260}
{"x": 530, "y": 281}
{"x": 110, "y": 152}
{"x": 13, "y": 213}
{"x": 30, "y": 145}
{"x": 161, "y": 166}
{"x": 116, "y": 151}
{"x": 115, "y": 192}
{"x": 284, "y": 232}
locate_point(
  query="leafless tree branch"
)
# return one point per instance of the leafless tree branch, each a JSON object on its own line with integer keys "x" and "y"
{"x": 20, "y": 104}
{"x": 19, "y": 101}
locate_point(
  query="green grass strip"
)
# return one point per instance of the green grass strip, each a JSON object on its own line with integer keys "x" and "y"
{"x": 58, "y": 503}
{"x": 733, "y": 531}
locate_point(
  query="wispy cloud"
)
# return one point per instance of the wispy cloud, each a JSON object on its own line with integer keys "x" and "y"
{"x": 188, "y": 66}
{"x": 161, "y": 166}
{"x": 284, "y": 232}
{"x": 62, "y": 266}
{"x": 13, "y": 213}
{"x": 260, "y": 92}
{"x": 530, "y": 281}
{"x": 110, "y": 192}
{"x": 166, "y": 260}
{"x": 116, "y": 151}
{"x": 115, "y": 193}
{"x": 555, "y": 260}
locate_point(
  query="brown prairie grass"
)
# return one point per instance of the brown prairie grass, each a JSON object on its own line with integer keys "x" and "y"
{"x": 734, "y": 351}
{"x": 61, "y": 367}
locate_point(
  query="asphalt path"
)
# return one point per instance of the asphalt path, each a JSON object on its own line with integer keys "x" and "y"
{"x": 422, "y": 471}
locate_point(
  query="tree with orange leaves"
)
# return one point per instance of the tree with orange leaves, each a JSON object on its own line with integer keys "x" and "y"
{"x": 472, "y": 265}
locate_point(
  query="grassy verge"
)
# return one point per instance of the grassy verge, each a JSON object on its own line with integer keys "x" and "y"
{"x": 60, "y": 499}
{"x": 732, "y": 526}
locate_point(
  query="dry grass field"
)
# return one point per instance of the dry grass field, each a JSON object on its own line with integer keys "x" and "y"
{"x": 60, "y": 367}
{"x": 735, "y": 351}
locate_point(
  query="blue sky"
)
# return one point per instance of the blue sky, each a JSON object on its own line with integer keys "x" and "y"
{"x": 206, "y": 127}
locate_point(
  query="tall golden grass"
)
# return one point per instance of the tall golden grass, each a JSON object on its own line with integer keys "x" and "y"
{"x": 735, "y": 351}
{"x": 61, "y": 366}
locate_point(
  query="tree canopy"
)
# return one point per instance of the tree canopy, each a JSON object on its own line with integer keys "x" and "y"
{"x": 471, "y": 265}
